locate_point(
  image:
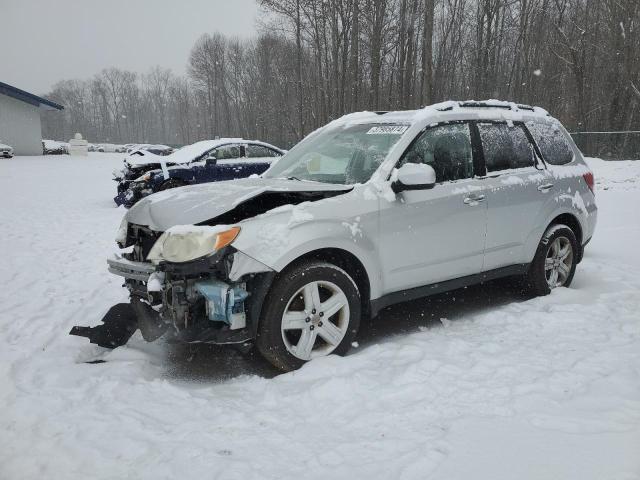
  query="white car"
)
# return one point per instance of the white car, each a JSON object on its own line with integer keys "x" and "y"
{"x": 373, "y": 209}
{"x": 6, "y": 151}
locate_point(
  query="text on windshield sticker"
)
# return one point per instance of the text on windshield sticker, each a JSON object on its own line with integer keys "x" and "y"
{"x": 388, "y": 130}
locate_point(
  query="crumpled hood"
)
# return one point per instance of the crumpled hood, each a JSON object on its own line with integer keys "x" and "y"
{"x": 198, "y": 203}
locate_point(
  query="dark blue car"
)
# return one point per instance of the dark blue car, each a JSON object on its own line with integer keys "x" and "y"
{"x": 202, "y": 162}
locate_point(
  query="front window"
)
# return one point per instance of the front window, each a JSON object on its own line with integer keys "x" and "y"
{"x": 344, "y": 154}
{"x": 228, "y": 152}
{"x": 446, "y": 148}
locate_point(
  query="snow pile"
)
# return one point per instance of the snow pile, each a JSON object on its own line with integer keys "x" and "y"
{"x": 479, "y": 383}
{"x": 618, "y": 175}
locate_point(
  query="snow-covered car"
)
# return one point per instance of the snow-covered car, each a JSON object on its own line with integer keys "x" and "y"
{"x": 53, "y": 147}
{"x": 205, "y": 161}
{"x": 92, "y": 147}
{"x": 6, "y": 151}
{"x": 161, "y": 150}
{"x": 373, "y": 209}
{"x": 139, "y": 160}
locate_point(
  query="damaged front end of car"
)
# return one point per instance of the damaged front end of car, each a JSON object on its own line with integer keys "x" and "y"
{"x": 178, "y": 293}
{"x": 131, "y": 183}
{"x": 186, "y": 280}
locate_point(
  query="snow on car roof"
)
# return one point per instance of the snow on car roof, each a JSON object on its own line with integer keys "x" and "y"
{"x": 480, "y": 109}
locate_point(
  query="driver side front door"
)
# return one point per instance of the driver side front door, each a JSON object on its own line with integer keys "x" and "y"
{"x": 221, "y": 165}
{"x": 430, "y": 236}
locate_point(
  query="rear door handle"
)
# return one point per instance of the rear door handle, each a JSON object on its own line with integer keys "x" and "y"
{"x": 546, "y": 187}
{"x": 473, "y": 200}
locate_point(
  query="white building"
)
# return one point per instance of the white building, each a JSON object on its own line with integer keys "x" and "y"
{"x": 20, "y": 119}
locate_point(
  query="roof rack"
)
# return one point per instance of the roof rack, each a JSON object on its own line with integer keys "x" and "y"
{"x": 484, "y": 105}
{"x": 505, "y": 106}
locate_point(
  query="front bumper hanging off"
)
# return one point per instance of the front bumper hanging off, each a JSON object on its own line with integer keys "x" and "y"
{"x": 224, "y": 319}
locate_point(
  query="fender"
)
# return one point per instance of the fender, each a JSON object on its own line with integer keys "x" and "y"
{"x": 578, "y": 205}
{"x": 280, "y": 237}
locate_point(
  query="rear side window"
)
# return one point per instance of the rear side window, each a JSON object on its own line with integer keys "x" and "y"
{"x": 259, "y": 151}
{"x": 505, "y": 147}
{"x": 552, "y": 143}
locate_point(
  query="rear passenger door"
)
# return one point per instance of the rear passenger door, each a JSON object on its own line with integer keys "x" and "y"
{"x": 517, "y": 186}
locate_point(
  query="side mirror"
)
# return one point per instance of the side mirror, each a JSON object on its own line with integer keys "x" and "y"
{"x": 414, "y": 176}
{"x": 211, "y": 160}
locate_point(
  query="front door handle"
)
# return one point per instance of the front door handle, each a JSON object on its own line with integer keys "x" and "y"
{"x": 473, "y": 200}
{"x": 546, "y": 187}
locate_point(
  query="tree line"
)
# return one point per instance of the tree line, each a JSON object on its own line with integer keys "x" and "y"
{"x": 312, "y": 61}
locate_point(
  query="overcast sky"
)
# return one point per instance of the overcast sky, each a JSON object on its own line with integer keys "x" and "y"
{"x": 43, "y": 41}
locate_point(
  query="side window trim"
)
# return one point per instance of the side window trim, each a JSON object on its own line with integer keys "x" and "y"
{"x": 479, "y": 165}
{"x": 470, "y": 123}
{"x": 541, "y": 164}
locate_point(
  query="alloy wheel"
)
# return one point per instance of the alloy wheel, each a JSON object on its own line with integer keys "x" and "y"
{"x": 558, "y": 262}
{"x": 315, "y": 320}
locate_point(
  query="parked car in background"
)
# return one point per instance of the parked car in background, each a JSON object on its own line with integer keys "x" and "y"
{"x": 53, "y": 147}
{"x": 373, "y": 209}
{"x": 126, "y": 147}
{"x": 5, "y": 150}
{"x": 202, "y": 162}
{"x": 162, "y": 150}
{"x": 92, "y": 147}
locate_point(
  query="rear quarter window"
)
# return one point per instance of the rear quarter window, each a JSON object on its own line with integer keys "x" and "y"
{"x": 552, "y": 143}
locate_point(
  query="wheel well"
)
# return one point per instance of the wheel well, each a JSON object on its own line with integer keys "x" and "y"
{"x": 349, "y": 263}
{"x": 573, "y": 223}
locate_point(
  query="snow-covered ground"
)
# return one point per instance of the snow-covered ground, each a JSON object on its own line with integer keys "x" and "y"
{"x": 481, "y": 383}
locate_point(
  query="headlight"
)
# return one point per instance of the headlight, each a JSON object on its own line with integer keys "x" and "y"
{"x": 184, "y": 243}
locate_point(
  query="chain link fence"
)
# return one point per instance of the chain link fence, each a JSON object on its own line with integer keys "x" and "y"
{"x": 609, "y": 145}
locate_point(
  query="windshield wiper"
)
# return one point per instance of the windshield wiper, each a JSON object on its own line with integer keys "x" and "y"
{"x": 293, "y": 178}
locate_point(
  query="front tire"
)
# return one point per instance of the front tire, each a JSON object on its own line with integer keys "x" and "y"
{"x": 555, "y": 262}
{"x": 312, "y": 310}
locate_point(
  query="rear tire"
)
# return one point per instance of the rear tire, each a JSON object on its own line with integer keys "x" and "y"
{"x": 554, "y": 264}
{"x": 312, "y": 310}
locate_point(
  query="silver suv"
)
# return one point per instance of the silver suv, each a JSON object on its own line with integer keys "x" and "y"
{"x": 373, "y": 209}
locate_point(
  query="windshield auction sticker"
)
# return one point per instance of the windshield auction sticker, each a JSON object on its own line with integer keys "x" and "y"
{"x": 388, "y": 130}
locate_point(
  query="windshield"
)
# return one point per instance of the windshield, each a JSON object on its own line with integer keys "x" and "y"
{"x": 345, "y": 154}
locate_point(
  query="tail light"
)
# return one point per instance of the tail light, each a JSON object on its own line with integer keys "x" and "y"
{"x": 588, "y": 177}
